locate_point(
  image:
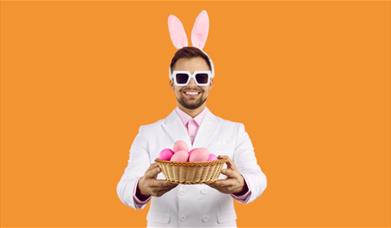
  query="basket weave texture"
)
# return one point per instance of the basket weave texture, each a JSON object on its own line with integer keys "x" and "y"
{"x": 191, "y": 172}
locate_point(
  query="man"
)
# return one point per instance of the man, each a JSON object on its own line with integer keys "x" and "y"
{"x": 172, "y": 205}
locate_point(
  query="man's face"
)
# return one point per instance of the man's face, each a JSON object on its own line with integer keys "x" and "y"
{"x": 184, "y": 98}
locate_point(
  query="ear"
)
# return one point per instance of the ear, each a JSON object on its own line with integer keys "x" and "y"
{"x": 171, "y": 83}
{"x": 177, "y": 32}
{"x": 199, "y": 34}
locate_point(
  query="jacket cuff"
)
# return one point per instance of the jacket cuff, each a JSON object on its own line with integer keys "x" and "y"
{"x": 138, "y": 202}
{"x": 246, "y": 196}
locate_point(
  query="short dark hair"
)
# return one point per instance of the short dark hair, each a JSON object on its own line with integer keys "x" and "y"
{"x": 189, "y": 52}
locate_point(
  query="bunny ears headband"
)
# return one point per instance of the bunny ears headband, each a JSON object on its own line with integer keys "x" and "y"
{"x": 199, "y": 33}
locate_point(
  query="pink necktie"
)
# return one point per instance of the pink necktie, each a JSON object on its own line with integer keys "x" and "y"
{"x": 192, "y": 129}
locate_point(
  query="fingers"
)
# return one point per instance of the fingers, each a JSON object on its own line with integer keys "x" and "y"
{"x": 224, "y": 183}
{"x": 153, "y": 186}
{"x": 152, "y": 171}
{"x": 225, "y": 186}
{"x": 158, "y": 192}
{"x": 223, "y": 156}
{"x": 229, "y": 173}
{"x": 160, "y": 187}
{"x": 162, "y": 184}
{"x": 211, "y": 184}
{"x": 230, "y": 163}
{"x": 151, "y": 167}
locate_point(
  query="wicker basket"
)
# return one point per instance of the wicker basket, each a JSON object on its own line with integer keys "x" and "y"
{"x": 191, "y": 172}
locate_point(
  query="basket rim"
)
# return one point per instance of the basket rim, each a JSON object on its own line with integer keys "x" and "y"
{"x": 207, "y": 163}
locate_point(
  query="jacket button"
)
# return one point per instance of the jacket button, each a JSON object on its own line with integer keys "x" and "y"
{"x": 203, "y": 191}
{"x": 205, "y": 218}
{"x": 182, "y": 192}
{"x": 182, "y": 218}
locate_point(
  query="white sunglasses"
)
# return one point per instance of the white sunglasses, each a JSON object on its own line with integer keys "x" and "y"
{"x": 182, "y": 78}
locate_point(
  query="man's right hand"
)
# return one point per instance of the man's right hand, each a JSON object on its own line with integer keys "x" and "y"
{"x": 148, "y": 185}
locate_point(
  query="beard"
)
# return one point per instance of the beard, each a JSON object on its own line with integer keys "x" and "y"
{"x": 192, "y": 105}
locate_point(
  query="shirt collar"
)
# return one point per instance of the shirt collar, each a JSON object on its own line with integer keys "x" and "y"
{"x": 186, "y": 117}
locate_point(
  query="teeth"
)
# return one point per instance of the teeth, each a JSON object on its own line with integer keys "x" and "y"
{"x": 192, "y": 93}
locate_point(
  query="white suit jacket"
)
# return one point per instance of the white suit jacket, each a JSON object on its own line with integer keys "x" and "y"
{"x": 192, "y": 205}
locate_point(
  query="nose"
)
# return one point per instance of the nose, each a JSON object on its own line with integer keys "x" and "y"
{"x": 192, "y": 83}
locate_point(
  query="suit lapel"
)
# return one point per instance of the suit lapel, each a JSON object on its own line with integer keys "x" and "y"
{"x": 207, "y": 131}
{"x": 174, "y": 127}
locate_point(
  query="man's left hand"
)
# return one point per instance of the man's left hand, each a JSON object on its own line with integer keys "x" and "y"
{"x": 234, "y": 183}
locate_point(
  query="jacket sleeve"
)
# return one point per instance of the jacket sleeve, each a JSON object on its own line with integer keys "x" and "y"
{"x": 138, "y": 163}
{"x": 246, "y": 162}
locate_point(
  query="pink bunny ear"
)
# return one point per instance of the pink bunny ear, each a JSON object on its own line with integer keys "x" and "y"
{"x": 199, "y": 34}
{"x": 177, "y": 32}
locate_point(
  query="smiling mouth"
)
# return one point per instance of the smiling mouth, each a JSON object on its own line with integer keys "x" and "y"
{"x": 191, "y": 93}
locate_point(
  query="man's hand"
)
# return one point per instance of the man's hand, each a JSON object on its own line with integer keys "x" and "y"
{"x": 234, "y": 183}
{"x": 148, "y": 185}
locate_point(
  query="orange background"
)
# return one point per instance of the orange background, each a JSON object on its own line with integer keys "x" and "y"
{"x": 310, "y": 80}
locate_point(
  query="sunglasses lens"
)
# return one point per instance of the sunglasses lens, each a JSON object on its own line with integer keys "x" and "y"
{"x": 202, "y": 78}
{"x": 181, "y": 78}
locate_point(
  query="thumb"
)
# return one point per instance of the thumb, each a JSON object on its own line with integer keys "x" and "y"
{"x": 152, "y": 173}
{"x": 230, "y": 164}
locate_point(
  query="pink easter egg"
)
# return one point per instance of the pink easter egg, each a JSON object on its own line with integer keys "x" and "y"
{"x": 180, "y": 156}
{"x": 166, "y": 154}
{"x": 212, "y": 157}
{"x": 180, "y": 145}
{"x": 199, "y": 155}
